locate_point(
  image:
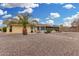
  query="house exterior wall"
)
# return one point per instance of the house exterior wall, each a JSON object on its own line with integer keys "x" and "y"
{"x": 18, "y": 29}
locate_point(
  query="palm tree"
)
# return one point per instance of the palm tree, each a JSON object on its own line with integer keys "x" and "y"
{"x": 23, "y": 19}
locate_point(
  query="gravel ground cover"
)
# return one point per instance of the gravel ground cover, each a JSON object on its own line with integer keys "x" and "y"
{"x": 40, "y": 44}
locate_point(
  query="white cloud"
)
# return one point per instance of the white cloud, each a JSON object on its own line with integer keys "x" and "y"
{"x": 24, "y": 5}
{"x": 59, "y": 3}
{"x": 1, "y": 21}
{"x": 54, "y": 15}
{"x": 7, "y": 16}
{"x": 28, "y": 6}
{"x": 47, "y": 18}
{"x": 69, "y": 6}
{"x": 37, "y": 19}
{"x": 2, "y": 12}
{"x": 50, "y": 19}
{"x": 48, "y": 3}
{"x": 42, "y": 22}
{"x": 69, "y": 20}
{"x": 5, "y": 12}
{"x": 77, "y": 12}
{"x": 51, "y": 22}
{"x": 28, "y": 10}
{"x": 16, "y": 17}
{"x": 67, "y": 24}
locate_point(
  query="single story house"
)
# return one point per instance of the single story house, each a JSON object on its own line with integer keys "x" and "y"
{"x": 17, "y": 28}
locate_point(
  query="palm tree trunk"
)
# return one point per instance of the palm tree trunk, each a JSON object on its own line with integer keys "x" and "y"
{"x": 24, "y": 31}
{"x": 10, "y": 30}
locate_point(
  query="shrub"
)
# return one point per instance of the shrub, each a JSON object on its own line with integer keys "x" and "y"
{"x": 4, "y": 29}
{"x": 48, "y": 30}
{"x": 0, "y": 29}
{"x": 31, "y": 31}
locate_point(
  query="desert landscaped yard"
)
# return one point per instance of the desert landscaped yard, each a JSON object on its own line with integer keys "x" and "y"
{"x": 40, "y": 44}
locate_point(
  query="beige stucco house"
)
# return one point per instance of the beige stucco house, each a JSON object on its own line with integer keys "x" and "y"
{"x": 17, "y": 28}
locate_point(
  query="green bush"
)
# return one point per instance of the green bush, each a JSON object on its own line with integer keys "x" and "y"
{"x": 0, "y": 29}
{"x": 31, "y": 31}
{"x": 4, "y": 29}
{"x": 48, "y": 30}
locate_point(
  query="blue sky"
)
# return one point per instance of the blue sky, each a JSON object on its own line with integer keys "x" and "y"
{"x": 51, "y": 13}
